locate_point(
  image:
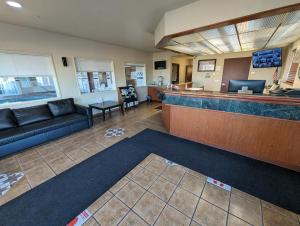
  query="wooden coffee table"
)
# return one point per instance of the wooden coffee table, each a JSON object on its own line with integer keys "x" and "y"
{"x": 106, "y": 105}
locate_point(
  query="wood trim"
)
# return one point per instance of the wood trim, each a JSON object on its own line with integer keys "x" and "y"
{"x": 254, "y": 16}
{"x": 267, "y": 139}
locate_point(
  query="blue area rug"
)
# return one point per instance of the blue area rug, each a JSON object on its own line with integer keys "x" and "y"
{"x": 63, "y": 197}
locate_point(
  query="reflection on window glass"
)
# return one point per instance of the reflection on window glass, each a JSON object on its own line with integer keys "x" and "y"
{"x": 135, "y": 74}
{"x": 16, "y": 89}
{"x": 90, "y": 82}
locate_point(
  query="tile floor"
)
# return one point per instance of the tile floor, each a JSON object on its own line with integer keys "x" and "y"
{"x": 153, "y": 192}
{"x": 157, "y": 193}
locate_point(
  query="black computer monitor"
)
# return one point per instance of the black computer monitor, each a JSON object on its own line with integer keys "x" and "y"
{"x": 257, "y": 86}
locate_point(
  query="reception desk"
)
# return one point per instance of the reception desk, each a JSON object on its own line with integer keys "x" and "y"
{"x": 262, "y": 127}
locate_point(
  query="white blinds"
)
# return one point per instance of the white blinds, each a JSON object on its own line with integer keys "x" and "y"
{"x": 21, "y": 65}
{"x": 88, "y": 65}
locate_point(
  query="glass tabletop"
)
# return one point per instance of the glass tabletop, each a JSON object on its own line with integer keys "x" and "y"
{"x": 105, "y": 104}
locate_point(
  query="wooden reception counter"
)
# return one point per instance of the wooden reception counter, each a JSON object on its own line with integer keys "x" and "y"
{"x": 262, "y": 127}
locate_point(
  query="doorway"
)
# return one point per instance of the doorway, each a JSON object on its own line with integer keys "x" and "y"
{"x": 235, "y": 69}
{"x": 188, "y": 73}
{"x": 175, "y": 73}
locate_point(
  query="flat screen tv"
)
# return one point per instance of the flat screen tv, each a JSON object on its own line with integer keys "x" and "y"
{"x": 159, "y": 65}
{"x": 267, "y": 58}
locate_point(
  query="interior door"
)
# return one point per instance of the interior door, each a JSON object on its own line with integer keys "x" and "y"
{"x": 235, "y": 69}
{"x": 188, "y": 73}
{"x": 175, "y": 73}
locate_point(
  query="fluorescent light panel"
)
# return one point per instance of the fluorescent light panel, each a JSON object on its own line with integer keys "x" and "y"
{"x": 219, "y": 32}
{"x": 260, "y": 24}
{"x": 188, "y": 38}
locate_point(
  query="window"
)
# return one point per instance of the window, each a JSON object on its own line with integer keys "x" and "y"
{"x": 26, "y": 78}
{"x": 94, "y": 75}
{"x": 135, "y": 74}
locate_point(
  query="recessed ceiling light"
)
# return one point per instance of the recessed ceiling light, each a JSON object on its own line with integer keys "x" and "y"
{"x": 14, "y": 4}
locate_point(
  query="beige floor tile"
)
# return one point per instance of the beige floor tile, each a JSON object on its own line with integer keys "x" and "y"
{"x": 100, "y": 202}
{"x": 194, "y": 223}
{"x": 193, "y": 184}
{"x": 91, "y": 222}
{"x": 53, "y": 156}
{"x": 234, "y": 221}
{"x": 271, "y": 217}
{"x": 245, "y": 195}
{"x": 173, "y": 173}
{"x": 120, "y": 184}
{"x": 210, "y": 215}
{"x": 78, "y": 155}
{"x": 61, "y": 164}
{"x": 39, "y": 175}
{"x": 156, "y": 166}
{"x": 172, "y": 217}
{"x": 28, "y": 165}
{"x": 279, "y": 210}
{"x": 93, "y": 147}
{"x": 246, "y": 210}
{"x": 144, "y": 178}
{"x": 216, "y": 196}
{"x": 149, "y": 207}
{"x": 132, "y": 219}
{"x": 134, "y": 171}
{"x": 184, "y": 201}
{"x": 9, "y": 164}
{"x": 111, "y": 213}
{"x": 130, "y": 193}
{"x": 162, "y": 189}
{"x": 146, "y": 161}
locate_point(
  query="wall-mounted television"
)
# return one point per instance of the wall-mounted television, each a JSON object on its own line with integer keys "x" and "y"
{"x": 159, "y": 65}
{"x": 267, "y": 58}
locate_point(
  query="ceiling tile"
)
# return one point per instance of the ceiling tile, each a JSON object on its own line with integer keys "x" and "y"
{"x": 219, "y": 32}
{"x": 188, "y": 38}
{"x": 181, "y": 49}
{"x": 260, "y": 24}
{"x": 252, "y": 46}
{"x": 226, "y": 43}
{"x": 285, "y": 34}
{"x": 204, "y": 47}
{"x": 257, "y": 36}
{"x": 292, "y": 18}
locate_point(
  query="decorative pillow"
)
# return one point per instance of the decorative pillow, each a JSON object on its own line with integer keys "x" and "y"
{"x": 33, "y": 114}
{"x": 62, "y": 107}
{"x": 7, "y": 119}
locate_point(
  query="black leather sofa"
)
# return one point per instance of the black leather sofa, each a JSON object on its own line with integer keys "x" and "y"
{"x": 27, "y": 127}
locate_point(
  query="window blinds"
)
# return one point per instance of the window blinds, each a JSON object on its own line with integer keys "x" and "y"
{"x": 22, "y": 65}
{"x": 88, "y": 65}
{"x": 292, "y": 73}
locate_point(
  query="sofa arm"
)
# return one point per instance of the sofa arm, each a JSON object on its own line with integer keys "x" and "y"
{"x": 85, "y": 111}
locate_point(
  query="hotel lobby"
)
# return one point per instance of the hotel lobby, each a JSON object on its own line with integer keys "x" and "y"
{"x": 175, "y": 112}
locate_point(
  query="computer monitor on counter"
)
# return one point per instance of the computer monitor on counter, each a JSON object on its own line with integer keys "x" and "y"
{"x": 257, "y": 86}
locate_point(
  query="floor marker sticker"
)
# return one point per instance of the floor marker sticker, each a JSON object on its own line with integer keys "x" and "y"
{"x": 114, "y": 132}
{"x": 7, "y": 180}
{"x": 80, "y": 219}
{"x": 219, "y": 184}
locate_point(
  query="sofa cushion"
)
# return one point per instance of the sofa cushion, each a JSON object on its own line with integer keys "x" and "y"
{"x": 7, "y": 119}
{"x": 62, "y": 107}
{"x": 19, "y": 133}
{"x": 30, "y": 115}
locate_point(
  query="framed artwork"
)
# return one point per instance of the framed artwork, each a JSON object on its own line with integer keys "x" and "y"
{"x": 207, "y": 65}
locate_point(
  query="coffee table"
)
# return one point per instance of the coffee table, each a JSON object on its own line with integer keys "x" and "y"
{"x": 106, "y": 105}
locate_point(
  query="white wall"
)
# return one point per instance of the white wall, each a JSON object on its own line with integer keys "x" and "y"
{"x": 212, "y": 80}
{"x": 28, "y": 40}
{"x": 206, "y": 12}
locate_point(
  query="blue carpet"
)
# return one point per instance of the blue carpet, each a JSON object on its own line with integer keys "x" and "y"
{"x": 60, "y": 199}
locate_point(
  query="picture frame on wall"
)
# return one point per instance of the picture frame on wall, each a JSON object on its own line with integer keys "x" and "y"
{"x": 207, "y": 65}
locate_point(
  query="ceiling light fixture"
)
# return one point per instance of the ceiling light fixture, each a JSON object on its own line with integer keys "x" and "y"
{"x": 14, "y": 4}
